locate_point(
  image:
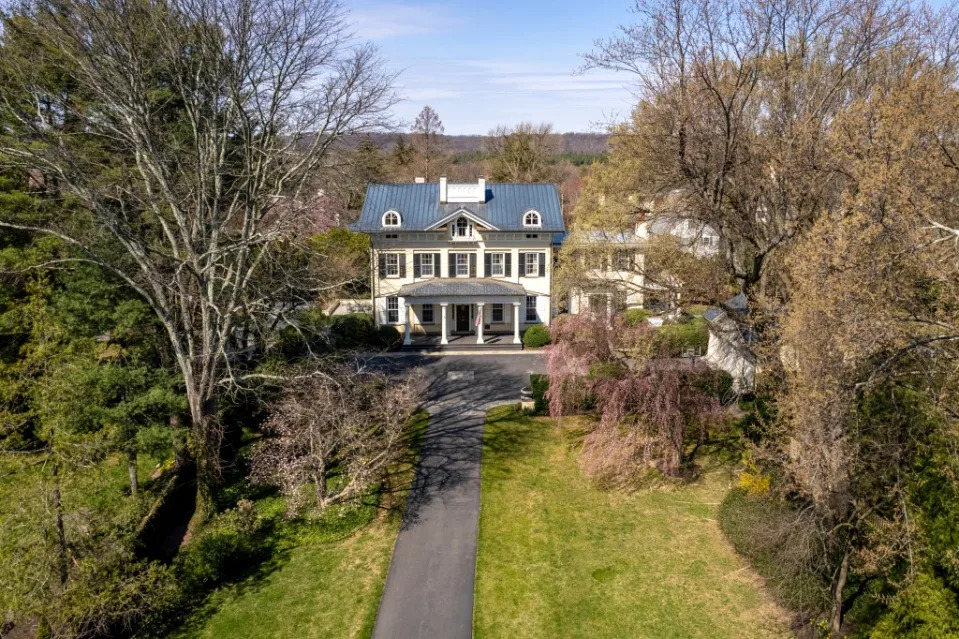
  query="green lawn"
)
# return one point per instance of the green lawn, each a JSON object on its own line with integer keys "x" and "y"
{"x": 324, "y": 580}
{"x": 317, "y": 589}
{"x": 560, "y": 558}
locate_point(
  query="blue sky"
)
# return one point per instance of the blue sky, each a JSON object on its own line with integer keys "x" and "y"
{"x": 481, "y": 63}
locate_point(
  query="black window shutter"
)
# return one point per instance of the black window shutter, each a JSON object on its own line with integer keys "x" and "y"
{"x": 542, "y": 264}
{"x": 382, "y": 265}
{"x": 452, "y": 271}
{"x": 416, "y": 265}
{"x": 437, "y": 267}
{"x": 488, "y": 265}
{"x": 402, "y": 264}
{"x": 509, "y": 257}
{"x": 472, "y": 264}
{"x": 521, "y": 266}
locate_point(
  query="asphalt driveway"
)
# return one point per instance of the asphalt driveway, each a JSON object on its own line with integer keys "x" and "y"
{"x": 429, "y": 589}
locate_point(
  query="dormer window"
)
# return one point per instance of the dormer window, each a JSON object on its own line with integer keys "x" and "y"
{"x": 532, "y": 219}
{"x": 391, "y": 219}
{"x": 462, "y": 229}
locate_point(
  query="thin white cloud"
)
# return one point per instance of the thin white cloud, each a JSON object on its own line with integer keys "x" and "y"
{"x": 382, "y": 21}
{"x": 473, "y": 96}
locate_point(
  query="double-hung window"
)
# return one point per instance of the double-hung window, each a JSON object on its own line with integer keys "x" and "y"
{"x": 462, "y": 265}
{"x": 427, "y": 313}
{"x": 392, "y": 265}
{"x": 426, "y": 265}
{"x": 497, "y": 265}
{"x": 532, "y": 265}
{"x": 462, "y": 229}
{"x": 530, "y": 308}
{"x": 392, "y": 310}
{"x": 497, "y": 313}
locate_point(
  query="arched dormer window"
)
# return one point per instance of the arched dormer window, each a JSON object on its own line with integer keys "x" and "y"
{"x": 531, "y": 218}
{"x": 391, "y": 219}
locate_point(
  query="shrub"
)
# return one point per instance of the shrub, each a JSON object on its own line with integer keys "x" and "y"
{"x": 353, "y": 330}
{"x": 715, "y": 383}
{"x": 926, "y": 609}
{"x": 226, "y": 543}
{"x": 636, "y": 316}
{"x": 307, "y": 334}
{"x": 782, "y": 544}
{"x": 539, "y": 384}
{"x": 535, "y": 336}
{"x": 676, "y": 339}
{"x": 389, "y": 337}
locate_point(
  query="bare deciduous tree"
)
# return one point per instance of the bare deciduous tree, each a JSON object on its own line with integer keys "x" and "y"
{"x": 736, "y": 99}
{"x": 426, "y": 137}
{"x": 188, "y": 129}
{"x": 523, "y": 153}
{"x": 335, "y": 434}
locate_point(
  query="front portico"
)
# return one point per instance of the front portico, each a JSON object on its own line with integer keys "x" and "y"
{"x": 463, "y": 306}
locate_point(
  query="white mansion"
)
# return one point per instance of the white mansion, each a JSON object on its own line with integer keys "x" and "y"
{"x": 455, "y": 259}
{"x": 619, "y": 278}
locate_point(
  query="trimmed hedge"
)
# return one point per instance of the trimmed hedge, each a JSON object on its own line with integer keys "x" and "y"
{"x": 536, "y": 335}
{"x": 353, "y": 330}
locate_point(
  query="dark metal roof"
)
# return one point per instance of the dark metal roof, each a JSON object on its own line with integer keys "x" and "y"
{"x": 455, "y": 287}
{"x": 713, "y": 313}
{"x": 419, "y": 206}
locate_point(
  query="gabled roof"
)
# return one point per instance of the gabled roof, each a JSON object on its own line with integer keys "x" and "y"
{"x": 419, "y": 206}
{"x": 464, "y": 212}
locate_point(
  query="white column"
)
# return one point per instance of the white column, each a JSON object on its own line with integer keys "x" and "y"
{"x": 408, "y": 333}
{"x": 479, "y": 327}
{"x": 516, "y": 339}
{"x": 444, "y": 339}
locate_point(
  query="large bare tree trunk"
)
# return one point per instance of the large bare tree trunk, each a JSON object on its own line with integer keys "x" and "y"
{"x": 836, "y": 622}
{"x": 132, "y": 471}
{"x": 199, "y": 218}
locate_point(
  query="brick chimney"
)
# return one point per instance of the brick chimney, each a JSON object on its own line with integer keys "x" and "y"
{"x": 443, "y": 190}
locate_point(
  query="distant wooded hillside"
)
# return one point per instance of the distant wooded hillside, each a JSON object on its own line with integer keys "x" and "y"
{"x": 573, "y": 143}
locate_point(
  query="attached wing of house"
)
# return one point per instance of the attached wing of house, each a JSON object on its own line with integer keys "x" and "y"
{"x": 461, "y": 259}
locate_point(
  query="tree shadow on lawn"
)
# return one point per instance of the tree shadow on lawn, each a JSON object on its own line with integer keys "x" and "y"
{"x": 459, "y": 393}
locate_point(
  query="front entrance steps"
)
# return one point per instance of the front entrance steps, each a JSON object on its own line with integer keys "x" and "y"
{"x": 463, "y": 343}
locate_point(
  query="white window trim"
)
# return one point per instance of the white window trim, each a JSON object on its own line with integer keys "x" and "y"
{"x": 502, "y": 313}
{"x": 432, "y": 265}
{"x": 396, "y": 264}
{"x": 539, "y": 219}
{"x": 456, "y": 264}
{"x": 526, "y": 272}
{"x": 399, "y": 220}
{"x": 493, "y": 265}
{"x": 394, "y": 300}
{"x": 470, "y": 229}
{"x": 531, "y": 308}
{"x": 423, "y": 319}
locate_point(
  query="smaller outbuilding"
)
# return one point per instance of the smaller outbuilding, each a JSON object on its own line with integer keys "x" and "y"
{"x": 730, "y": 344}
